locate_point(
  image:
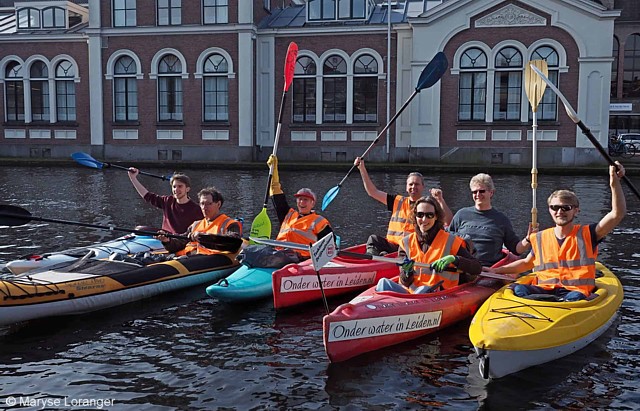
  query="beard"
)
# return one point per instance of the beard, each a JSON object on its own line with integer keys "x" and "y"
{"x": 563, "y": 221}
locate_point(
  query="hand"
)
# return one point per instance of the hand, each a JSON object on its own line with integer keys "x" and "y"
{"x": 273, "y": 162}
{"x": 160, "y": 235}
{"x": 358, "y": 161}
{"x": 133, "y": 172}
{"x": 439, "y": 265}
{"x": 407, "y": 265}
{"x": 618, "y": 172}
{"x": 406, "y": 272}
{"x": 436, "y": 193}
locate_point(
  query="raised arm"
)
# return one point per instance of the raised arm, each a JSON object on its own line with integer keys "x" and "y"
{"x": 370, "y": 188}
{"x": 437, "y": 194}
{"x": 133, "y": 176}
{"x": 618, "y": 203}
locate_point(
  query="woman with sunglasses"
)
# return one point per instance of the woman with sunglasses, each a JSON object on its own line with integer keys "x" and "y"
{"x": 488, "y": 229}
{"x": 430, "y": 244}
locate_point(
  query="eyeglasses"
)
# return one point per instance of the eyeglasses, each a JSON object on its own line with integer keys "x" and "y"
{"x": 421, "y": 214}
{"x": 206, "y": 203}
{"x": 474, "y": 192}
{"x": 563, "y": 207}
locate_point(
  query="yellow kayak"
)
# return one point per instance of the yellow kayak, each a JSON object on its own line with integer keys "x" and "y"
{"x": 510, "y": 333}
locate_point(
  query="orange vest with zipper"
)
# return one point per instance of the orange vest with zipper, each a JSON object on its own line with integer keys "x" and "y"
{"x": 444, "y": 244}
{"x": 571, "y": 265}
{"x": 219, "y": 226}
{"x": 400, "y": 224}
{"x": 301, "y": 229}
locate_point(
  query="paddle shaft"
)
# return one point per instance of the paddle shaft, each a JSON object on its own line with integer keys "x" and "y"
{"x": 165, "y": 178}
{"x": 275, "y": 147}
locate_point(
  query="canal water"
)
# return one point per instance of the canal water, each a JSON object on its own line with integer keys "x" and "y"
{"x": 187, "y": 351}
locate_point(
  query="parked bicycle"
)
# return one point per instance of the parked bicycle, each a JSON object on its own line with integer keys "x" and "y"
{"x": 619, "y": 148}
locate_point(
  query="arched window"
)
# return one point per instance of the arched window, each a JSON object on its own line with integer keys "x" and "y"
{"x": 65, "y": 92}
{"x": 507, "y": 88}
{"x": 216, "y": 88}
{"x": 170, "y": 88}
{"x": 304, "y": 91}
{"x": 548, "y": 106}
{"x": 28, "y": 18}
{"x": 472, "y": 86}
{"x": 631, "y": 75}
{"x": 614, "y": 68}
{"x": 334, "y": 97}
{"x": 14, "y": 91}
{"x": 125, "y": 89}
{"x": 53, "y": 17}
{"x": 365, "y": 89}
{"x": 39, "y": 89}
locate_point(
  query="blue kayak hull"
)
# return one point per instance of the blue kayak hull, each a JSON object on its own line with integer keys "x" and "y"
{"x": 245, "y": 284}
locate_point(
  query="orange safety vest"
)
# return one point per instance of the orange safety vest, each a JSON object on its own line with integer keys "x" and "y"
{"x": 219, "y": 226}
{"x": 301, "y": 229}
{"x": 571, "y": 265}
{"x": 444, "y": 244}
{"x": 400, "y": 224}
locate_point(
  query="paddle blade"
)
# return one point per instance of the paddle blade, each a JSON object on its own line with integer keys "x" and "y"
{"x": 328, "y": 198}
{"x": 12, "y": 216}
{"x": 261, "y": 225}
{"x": 86, "y": 160}
{"x": 534, "y": 84}
{"x": 290, "y": 65}
{"x": 433, "y": 72}
{"x": 220, "y": 242}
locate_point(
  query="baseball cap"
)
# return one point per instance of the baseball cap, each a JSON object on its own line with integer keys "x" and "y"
{"x": 305, "y": 192}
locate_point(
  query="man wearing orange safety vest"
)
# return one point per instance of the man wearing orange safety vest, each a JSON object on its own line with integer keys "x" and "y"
{"x": 564, "y": 257}
{"x": 302, "y": 226}
{"x": 400, "y": 207}
{"x": 214, "y": 222}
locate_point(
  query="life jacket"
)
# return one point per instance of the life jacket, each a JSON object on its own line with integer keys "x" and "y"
{"x": 219, "y": 226}
{"x": 571, "y": 265}
{"x": 444, "y": 244}
{"x": 400, "y": 224}
{"x": 301, "y": 229}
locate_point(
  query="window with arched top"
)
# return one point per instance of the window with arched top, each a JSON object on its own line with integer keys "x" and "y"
{"x": 631, "y": 74}
{"x": 548, "y": 106}
{"x": 334, "y": 96}
{"x": 215, "y": 81}
{"x": 14, "y": 91}
{"x": 507, "y": 89}
{"x": 304, "y": 91}
{"x": 53, "y": 17}
{"x": 614, "y": 67}
{"x": 65, "y": 91}
{"x": 170, "y": 88}
{"x": 472, "y": 85}
{"x": 125, "y": 89}
{"x": 365, "y": 89}
{"x": 39, "y": 90}
{"x": 28, "y": 18}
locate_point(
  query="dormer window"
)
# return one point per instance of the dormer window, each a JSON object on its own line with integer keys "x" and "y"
{"x": 53, "y": 17}
{"x": 331, "y": 10}
{"x": 28, "y": 18}
{"x": 40, "y": 15}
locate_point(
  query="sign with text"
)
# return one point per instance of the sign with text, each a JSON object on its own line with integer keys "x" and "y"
{"x": 301, "y": 283}
{"x": 375, "y": 327}
{"x": 323, "y": 251}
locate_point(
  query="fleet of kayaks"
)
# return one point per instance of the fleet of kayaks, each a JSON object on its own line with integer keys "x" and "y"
{"x": 128, "y": 244}
{"x": 510, "y": 333}
{"x": 88, "y": 285}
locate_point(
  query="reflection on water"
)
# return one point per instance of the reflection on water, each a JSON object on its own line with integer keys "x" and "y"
{"x": 187, "y": 351}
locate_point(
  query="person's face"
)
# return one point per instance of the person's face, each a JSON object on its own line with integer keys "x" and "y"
{"x": 209, "y": 208}
{"x": 425, "y": 217}
{"x": 179, "y": 189}
{"x": 415, "y": 187}
{"x": 560, "y": 213}
{"x": 305, "y": 204}
{"x": 481, "y": 196}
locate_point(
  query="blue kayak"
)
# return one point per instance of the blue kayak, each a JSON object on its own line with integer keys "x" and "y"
{"x": 245, "y": 284}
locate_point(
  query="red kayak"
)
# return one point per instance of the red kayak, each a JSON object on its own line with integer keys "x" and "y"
{"x": 373, "y": 320}
{"x": 298, "y": 283}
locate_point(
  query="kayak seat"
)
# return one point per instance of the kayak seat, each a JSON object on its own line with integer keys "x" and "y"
{"x": 543, "y": 297}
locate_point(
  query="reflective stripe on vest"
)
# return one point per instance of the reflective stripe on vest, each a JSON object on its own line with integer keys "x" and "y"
{"x": 219, "y": 225}
{"x": 400, "y": 224}
{"x": 301, "y": 229}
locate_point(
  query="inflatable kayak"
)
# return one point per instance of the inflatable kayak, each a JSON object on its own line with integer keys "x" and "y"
{"x": 88, "y": 285}
{"x": 510, "y": 333}
{"x": 245, "y": 284}
{"x": 128, "y": 244}
{"x": 298, "y": 283}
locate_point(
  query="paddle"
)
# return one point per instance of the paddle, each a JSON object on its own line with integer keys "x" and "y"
{"x": 15, "y": 216}
{"x": 86, "y": 160}
{"x": 261, "y": 225}
{"x": 534, "y": 86}
{"x": 429, "y": 76}
{"x": 585, "y": 130}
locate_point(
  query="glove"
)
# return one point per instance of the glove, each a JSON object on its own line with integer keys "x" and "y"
{"x": 273, "y": 161}
{"x": 439, "y": 265}
{"x": 406, "y": 272}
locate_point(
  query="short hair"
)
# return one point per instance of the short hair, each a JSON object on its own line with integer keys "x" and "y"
{"x": 436, "y": 206}
{"x": 565, "y": 196}
{"x": 483, "y": 180}
{"x": 183, "y": 178}
{"x": 416, "y": 174}
{"x": 213, "y": 192}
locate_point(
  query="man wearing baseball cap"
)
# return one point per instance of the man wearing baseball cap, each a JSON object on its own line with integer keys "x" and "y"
{"x": 303, "y": 225}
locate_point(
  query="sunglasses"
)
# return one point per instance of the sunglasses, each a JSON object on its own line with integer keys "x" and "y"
{"x": 474, "y": 192}
{"x": 421, "y": 214}
{"x": 563, "y": 207}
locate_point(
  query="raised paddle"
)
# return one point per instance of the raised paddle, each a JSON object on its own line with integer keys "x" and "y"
{"x": 15, "y": 216}
{"x": 261, "y": 225}
{"x": 535, "y": 86}
{"x": 585, "y": 130}
{"x": 86, "y": 160}
{"x": 429, "y": 76}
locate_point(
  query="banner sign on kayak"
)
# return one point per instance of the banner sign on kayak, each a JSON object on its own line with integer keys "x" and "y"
{"x": 323, "y": 251}
{"x": 374, "y": 327}
{"x": 301, "y": 283}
